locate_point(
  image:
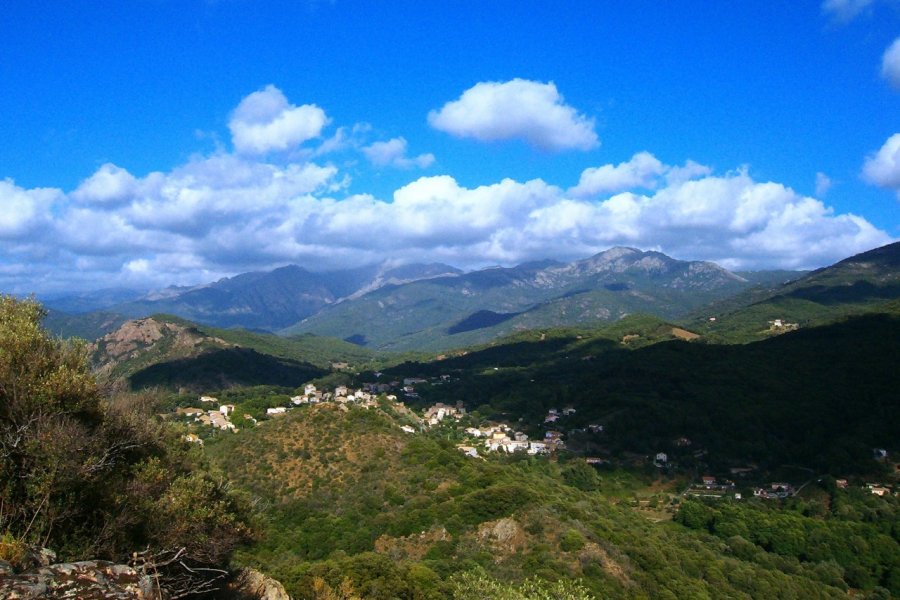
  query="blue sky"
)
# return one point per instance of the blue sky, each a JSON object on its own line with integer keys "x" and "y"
{"x": 156, "y": 142}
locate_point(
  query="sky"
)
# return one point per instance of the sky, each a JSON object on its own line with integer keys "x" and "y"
{"x": 159, "y": 142}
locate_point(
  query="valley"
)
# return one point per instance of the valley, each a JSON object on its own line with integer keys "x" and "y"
{"x": 747, "y": 450}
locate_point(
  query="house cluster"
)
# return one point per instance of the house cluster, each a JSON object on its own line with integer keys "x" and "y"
{"x": 440, "y": 411}
{"x": 709, "y": 486}
{"x": 341, "y": 394}
{"x": 879, "y": 489}
{"x": 501, "y": 438}
{"x": 553, "y": 415}
{"x": 218, "y": 417}
{"x": 775, "y": 491}
{"x": 780, "y": 326}
{"x": 409, "y": 387}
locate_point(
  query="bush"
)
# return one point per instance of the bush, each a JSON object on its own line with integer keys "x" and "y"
{"x": 96, "y": 476}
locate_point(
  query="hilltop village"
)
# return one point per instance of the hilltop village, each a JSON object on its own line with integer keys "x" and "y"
{"x": 478, "y": 439}
{"x": 493, "y": 437}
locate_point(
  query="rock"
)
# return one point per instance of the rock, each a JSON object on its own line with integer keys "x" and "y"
{"x": 254, "y": 585}
{"x": 6, "y": 569}
{"x": 85, "y": 580}
{"x": 505, "y": 536}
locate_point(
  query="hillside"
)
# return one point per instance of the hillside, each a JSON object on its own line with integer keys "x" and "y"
{"x": 173, "y": 353}
{"x": 821, "y": 398}
{"x": 275, "y": 299}
{"x": 87, "y": 326}
{"x": 359, "y": 504}
{"x": 446, "y": 312}
{"x": 867, "y": 282}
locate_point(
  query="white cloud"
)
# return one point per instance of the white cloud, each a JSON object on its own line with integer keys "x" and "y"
{"x": 518, "y": 109}
{"x": 227, "y": 213}
{"x": 23, "y": 211}
{"x": 223, "y": 215}
{"x": 393, "y": 153}
{"x": 642, "y": 171}
{"x": 196, "y": 197}
{"x": 890, "y": 64}
{"x": 264, "y": 121}
{"x": 823, "y": 184}
{"x": 844, "y": 11}
{"x": 110, "y": 184}
{"x": 883, "y": 168}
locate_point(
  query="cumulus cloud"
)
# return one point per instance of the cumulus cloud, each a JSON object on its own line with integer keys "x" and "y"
{"x": 231, "y": 212}
{"x": 844, "y": 11}
{"x": 642, "y": 171}
{"x": 393, "y": 153}
{"x": 223, "y": 215}
{"x": 108, "y": 185}
{"x": 890, "y": 64}
{"x": 518, "y": 109}
{"x": 883, "y": 168}
{"x": 24, "y": 211}
{"x": 264, "y": 121}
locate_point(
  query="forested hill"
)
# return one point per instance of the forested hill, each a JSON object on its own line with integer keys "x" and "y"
{"x": 866, "y": 282}
{"x": 820, "y": 397}
{"x": 358, "y": 505}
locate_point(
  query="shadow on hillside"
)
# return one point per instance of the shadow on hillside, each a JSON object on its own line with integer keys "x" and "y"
{"x": 860, "y": 291}
{"x": 480, "y": 320}
{"x": 226, "y": 368}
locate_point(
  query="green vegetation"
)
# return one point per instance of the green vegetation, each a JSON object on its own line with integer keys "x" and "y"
{"x": 222, "y": 368}
{"x": 474, "y": 308}
{"x": 349, "y": 506}
{"x": 96, "y": 476}
{"x": 358, "y": 509}
{"x": 88, "y": 326}
{"x": 851, "y": 537}
{"x": 821, "y": 398}
{"x": 865, "y": 283}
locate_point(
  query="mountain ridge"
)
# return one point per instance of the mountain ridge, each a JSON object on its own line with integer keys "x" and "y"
{"x": 426, "y": 314}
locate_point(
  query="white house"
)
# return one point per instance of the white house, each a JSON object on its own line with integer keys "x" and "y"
{"x": 538, "y": 448}
{"x": 468, "y": 451}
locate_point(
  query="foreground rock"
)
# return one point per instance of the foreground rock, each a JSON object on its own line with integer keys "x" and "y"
{"x": 84, "y": 580}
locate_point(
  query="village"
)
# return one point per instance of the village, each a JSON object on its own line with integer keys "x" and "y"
{"x": 480, "y": 439}
{"x": 499, "y": 437}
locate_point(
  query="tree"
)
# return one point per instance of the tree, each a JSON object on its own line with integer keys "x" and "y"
{"x": 94, "y": 475}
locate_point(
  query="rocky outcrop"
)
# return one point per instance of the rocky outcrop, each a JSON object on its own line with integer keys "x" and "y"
{"x": 145, "y": 341}
{"x": 85, "y": 580}
{"x": 253, "y": 585}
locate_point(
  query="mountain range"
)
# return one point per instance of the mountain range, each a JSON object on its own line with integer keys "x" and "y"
{"x": 475, "y": 307}
{"x": 432, "y": 306}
